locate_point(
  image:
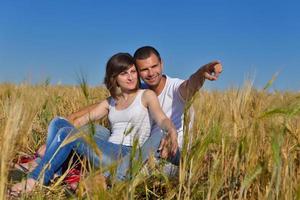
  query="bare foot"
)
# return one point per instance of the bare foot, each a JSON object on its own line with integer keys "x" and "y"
{"x": 73, "y": 186}
{"x": 23, "y": 186}
{"x": 41, "y": 151}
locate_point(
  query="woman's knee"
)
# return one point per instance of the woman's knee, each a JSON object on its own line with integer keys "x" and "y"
{"x": 55, "y": 122}
{"x": 58, "y": 122}
{"x": 63, "y": 133}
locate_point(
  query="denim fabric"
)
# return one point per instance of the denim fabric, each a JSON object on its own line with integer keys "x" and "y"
{"x": 57, "y": 123}
{"x": 151, "y": 145}
{"x": 56, "y": 153}
{"x": 53, "y": 128}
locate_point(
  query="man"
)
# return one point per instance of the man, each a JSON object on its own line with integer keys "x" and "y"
{"x": 173, "y": 94}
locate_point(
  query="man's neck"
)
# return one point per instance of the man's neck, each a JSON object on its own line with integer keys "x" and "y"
{"x": 159, "y": 88}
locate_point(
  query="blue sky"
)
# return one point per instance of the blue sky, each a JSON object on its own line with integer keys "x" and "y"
{"x": 60, "y": 39}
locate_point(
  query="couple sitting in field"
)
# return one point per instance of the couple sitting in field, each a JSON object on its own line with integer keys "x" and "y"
{"x": 153, "y": 117}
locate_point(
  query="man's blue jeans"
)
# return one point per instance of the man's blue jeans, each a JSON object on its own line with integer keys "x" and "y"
{"x": 56, "y": 154}
{"x": 151, "y": 145}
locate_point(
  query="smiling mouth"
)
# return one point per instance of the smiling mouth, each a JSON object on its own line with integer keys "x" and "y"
{"x": 152, "y": 78}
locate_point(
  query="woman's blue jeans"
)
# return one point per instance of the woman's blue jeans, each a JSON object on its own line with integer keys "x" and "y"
{"x": 55, "y": 155}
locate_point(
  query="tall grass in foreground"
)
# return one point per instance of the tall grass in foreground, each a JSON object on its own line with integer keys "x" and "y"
{"x": 244, "y": 144}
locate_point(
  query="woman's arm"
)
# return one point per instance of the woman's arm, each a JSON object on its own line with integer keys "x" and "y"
{"x": 169, "y": 144}
{"x": 71, "y": 118}
{"x": 94, "y": 113}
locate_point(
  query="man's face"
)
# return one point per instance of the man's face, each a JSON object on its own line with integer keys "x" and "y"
{"x": 150, "y": 70}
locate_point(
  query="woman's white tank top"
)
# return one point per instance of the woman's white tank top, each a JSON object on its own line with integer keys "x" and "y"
{"x": 133, "y": 122}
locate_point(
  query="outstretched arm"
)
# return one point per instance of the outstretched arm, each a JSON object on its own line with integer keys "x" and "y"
{"x": 95, "y": 112}
{"x": 71, "y": 118}
{"x": 210, "y": 71}
{"x": 169, "y": 144}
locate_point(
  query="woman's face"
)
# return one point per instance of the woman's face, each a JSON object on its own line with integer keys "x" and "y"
{"x": 128, "y": 79}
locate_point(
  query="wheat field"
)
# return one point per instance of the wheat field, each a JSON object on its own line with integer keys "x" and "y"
{"x": 244, "y": 144}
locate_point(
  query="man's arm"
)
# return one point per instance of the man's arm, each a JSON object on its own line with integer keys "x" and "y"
{"x": 210, "y": 71}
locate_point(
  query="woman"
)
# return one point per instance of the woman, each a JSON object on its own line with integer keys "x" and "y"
{"x": 128, "y": 108}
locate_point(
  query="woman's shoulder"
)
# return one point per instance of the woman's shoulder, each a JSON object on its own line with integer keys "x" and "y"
{"x": 148, "y": 95}
{"x": 147, "y": 92}
{"x": 109, "y": 101}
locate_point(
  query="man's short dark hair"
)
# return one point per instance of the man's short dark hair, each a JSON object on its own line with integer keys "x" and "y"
{"x": 145, "y": 52}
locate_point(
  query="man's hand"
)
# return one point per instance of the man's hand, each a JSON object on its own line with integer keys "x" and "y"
{"x": 212, "y": 70}
{"x": 168, "y": 145}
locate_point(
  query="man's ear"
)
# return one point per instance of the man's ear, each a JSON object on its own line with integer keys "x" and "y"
{"x": 162, "y": 65}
